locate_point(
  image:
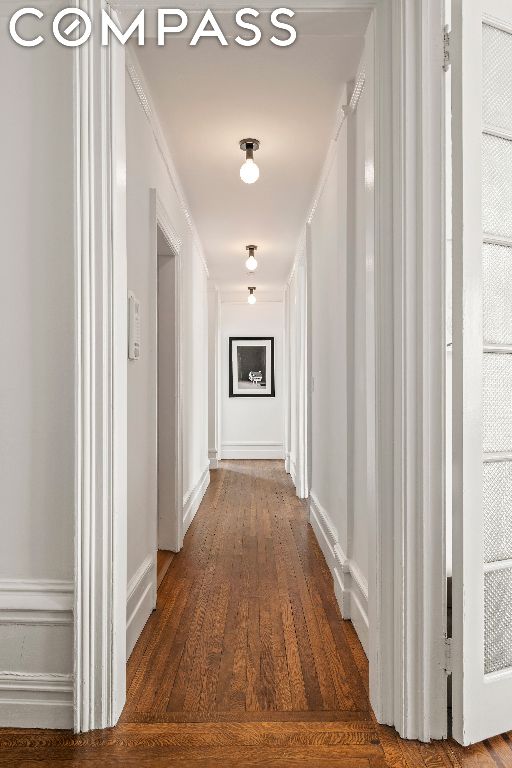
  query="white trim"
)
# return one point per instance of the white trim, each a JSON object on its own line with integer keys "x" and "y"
{"x": 414, "y": 388}
{"x": 44, "y": 698}
{"x": 194, "y": 498}
{"x": 350, "y": 586}
{"x": 36, "y": 595}
{"x": 143, "y": 92}
{"x": 140, "y": 601}
{"x": 293, "y": 471}
{"x": 214, "y": 375}
{"x": 213, "y": 457}
{"x": 254, "y": 449}
{"x": 101, "y": 374}
{"x": 162, "y": 220}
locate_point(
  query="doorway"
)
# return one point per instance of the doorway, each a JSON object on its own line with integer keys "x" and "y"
{"x": 396, "y": 376}
{"x": 168, "y": 535}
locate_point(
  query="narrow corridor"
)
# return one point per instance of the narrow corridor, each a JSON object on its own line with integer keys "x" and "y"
{"x": 246, "y": 661}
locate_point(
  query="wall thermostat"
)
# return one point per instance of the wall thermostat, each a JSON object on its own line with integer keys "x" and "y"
{"x": 133, "y": 327}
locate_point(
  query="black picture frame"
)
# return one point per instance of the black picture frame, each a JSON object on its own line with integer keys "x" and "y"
{"x": 236, "y": 340}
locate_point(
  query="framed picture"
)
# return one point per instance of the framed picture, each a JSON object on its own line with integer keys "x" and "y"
{"x": 251, "y": 366}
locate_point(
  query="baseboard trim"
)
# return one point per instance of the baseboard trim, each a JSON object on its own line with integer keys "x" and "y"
{"x": 194, "y": 499}
{"x": 350, "y": 586}
{"x": 36, "y": 700}
{"x": 213, "y": 457}
{"x": 287, "y": 462}
{"x": 252, "y": 450}
{"x": 140, "y": 602}
{"x": 293, "y": 472}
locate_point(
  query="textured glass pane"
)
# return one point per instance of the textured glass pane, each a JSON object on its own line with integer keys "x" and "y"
{"x": 498, "y": 620}
{"x": 497, "y": 499}
{"x": 497, "y": 80}
{"x": 497, "y": 402}
{"x": 497, "y": 186}
{"x": 497, "y": 290}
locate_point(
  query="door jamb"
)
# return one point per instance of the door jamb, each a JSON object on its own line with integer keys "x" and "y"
{"x": 160, "y": 219}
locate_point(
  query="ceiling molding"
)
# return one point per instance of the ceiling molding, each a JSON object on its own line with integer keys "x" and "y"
{"x": 344, "y": 110}
{"x": 143, "y": 94}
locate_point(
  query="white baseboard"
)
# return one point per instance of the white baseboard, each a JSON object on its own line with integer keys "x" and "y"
{"x": 253, "y": 450}
{"x": 140, "y": 602}
{"x": 287, "y": 463}
{"x": 293, "y": 472}
{"x": 32, "y": 699}
{"x": 194, "y": 499}
{"x": 350, "y": 586}
{"x": 213, "y": 457}
{"x": 36, "y": 614}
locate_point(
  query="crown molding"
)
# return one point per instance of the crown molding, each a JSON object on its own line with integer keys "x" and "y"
{"x": 143, "y": 93}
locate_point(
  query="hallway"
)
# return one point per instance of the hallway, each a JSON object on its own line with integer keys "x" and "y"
{"x": 246, "y": 661}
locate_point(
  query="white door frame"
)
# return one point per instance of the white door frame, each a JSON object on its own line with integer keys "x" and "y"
{"x": 101, "y": 381}
{"x": 407, "y": 581}
{"x": 160, "y": 219}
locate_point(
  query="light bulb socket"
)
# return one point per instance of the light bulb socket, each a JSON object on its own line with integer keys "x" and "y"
{"x": 249, "y": 146}
{"x": 251, "y": 249}
{"x": 251, "y": 290}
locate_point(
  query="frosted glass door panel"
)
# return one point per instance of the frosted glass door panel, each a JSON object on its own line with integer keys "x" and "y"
{"x": 497, "y": 68}
{"x": 497, "y": 501}
{"x": 497, "y": 403}
{"x": 497, "y": 294}
{"x": 497, "y": 186}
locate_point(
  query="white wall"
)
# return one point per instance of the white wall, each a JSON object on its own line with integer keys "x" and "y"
{"x": 146, "y": 170}
{"x": 252, "y": 427}
{"x": 37, "y": 386}
{"x": 336, "y": 259}
{"x": 214, "y": 370}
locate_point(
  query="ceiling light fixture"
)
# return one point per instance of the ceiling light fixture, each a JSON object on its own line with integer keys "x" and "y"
{"x": 249, "y": 172}
{"x": 251, "y": 262}
{"x": 251, "y": 299}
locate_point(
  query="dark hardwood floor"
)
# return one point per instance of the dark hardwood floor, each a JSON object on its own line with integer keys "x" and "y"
{"x": 246, "y": 661}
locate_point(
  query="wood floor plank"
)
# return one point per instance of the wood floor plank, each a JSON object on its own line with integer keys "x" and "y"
{"x": 246, "y": 660}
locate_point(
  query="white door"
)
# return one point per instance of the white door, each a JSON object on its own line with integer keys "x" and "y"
{"x": 481, "y": 55}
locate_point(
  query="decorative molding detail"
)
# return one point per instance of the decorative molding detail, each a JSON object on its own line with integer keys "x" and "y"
{"x": 36, "y": 699}
{"x": 172, "y": 238}
{"x": 140, "y": 601}
{"x": 36, "y": 595}
{"x": 253, "y": 450}
{"x": 213, "y": 456}
{"x": 350, "y": 586}
{"x": 143, "y": 93}
{"x": 194, "y": 498}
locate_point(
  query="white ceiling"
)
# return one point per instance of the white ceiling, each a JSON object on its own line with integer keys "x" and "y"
{"x": 209, "y": 97}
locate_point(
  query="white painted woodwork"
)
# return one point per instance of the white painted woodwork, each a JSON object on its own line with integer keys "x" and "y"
{"x": 481, "y": 699}
{"x": 214, "y": 376}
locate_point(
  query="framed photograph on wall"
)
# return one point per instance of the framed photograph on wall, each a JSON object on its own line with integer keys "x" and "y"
{"x": 251, "y": 366}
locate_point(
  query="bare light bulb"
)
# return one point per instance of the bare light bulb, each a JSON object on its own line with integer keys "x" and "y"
{"x": 249, "y": 172}
{"x": 251, "y": 263}
{"x": 251, "y": 299}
